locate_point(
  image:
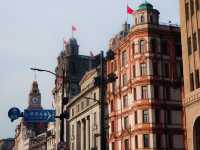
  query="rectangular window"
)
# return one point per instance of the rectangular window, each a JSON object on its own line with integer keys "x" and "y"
{"x": 158, "y": 140}
{"x": 115, "y": 65}
{"x": 178, "y": 50}
{"x": 155, "y": 69}
{"x": 124, "y": 58}
{"x": 187, "y": 11}
{"x": 72, "y": 130}
{"x": 136, "y": 141}
{"x": 189, "y": 46}
{"x": 82, "y": 105}
{"x": 166, "y": 70}
{"x": 135, "y": 94}
{"x": 126, "y": 144}
{"x": 125, "y": 79}
{"x": 146, "y": 141}
{"x": 144, "y": 92}
{"x": 197, "y": 78}
{"x": 168, "y": 117}
{"x": 192, "y": 7}
{"x": 156, "y": 92}
{"x": 125, "y": 101}
{"x": 164, "y": 47}
{"x": 112, "y": 126}
{"x": 126, "y": 124}
{"x": 143, "y": 69}
{"x": 136, "y": 118}
{"x": 145, "y": 116}
{"x": 72, "y": 112}
{"x": 191, "y": 82}
{"x": 112, "y": 106}
{"x": 111, "y": 66}
{"x": 169, "y": 140}
{"x": 197, "y": 5}
{"x": 166, "y": 93}
{"x": 134, "y": 72}
{"x": 194, "y": 41}
{"x": 157, "y": 116}
{"x": 113, "y": 145}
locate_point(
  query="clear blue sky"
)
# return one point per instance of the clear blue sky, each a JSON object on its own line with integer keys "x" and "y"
{"x": 31, "y": 33}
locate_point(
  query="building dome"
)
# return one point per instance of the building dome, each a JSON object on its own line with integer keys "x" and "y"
{"x": 145, "y": 6}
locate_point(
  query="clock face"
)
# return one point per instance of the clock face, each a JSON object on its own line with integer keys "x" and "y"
{"x": 35, "y": 100}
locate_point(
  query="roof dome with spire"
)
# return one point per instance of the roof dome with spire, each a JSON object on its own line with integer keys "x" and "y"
{"x": 145, "y": 5}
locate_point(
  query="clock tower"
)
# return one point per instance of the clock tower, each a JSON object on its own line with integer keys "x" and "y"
{"x": 34, "y": 101}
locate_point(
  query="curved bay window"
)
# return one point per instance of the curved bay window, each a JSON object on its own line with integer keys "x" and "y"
{"x": 142, "y": 46}
{"x": 196, "y": 134}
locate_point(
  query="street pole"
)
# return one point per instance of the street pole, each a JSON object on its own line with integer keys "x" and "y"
{"x": 62, "y": 108}
{"x": 102, "y": 104}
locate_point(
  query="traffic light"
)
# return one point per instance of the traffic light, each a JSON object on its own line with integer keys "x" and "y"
{"x": 111, "y": 77}
{"x": 97, "y": 81}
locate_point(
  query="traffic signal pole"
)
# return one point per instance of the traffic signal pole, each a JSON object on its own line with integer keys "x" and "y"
{"x": 62, "y": 108}
{"x": 102, "y": 89}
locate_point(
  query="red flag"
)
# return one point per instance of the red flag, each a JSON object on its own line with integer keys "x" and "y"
{"x": 129, "y": 10}
{"x": 73, "y": 28}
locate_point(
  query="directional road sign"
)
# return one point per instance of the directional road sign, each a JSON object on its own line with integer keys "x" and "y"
{"x": 14, "y": 113}
{"x": 39, "y": 115}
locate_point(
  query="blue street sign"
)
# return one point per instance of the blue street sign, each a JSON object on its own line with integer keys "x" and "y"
{"x": 14, "y": 113}
{"x": 39, "y": 115}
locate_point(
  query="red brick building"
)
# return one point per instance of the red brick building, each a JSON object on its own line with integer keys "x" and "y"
{"x": 145, "y": 108}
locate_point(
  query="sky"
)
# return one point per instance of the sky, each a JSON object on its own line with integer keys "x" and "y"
{"x": 31, "y": 35}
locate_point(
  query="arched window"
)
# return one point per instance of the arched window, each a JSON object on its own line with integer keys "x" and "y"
{"x": 196, "y": 134}
{"x": 142, "y": 46}
{"x": 142, "y": 19}
{"x": 153, "y": 45}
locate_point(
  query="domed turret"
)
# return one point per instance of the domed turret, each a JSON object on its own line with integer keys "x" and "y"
{"x": 72, "y": 47}
{"x": 146, "y": 14}
{"x": 145, "y": 6}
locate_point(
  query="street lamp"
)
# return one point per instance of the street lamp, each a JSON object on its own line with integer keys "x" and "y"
{"x": 63, "y": 115}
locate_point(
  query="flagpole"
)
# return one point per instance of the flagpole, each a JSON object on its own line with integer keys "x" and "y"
{"x": 126, "y": 11}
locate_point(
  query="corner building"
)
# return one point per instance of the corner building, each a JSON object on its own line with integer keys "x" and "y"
{"x": 190, "y": 31}
{"x": 145, "y": 107}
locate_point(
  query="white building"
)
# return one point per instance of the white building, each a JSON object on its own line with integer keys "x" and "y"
{"x": 84, "y": 121}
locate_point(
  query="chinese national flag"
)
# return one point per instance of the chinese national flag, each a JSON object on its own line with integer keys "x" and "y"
{"x": 129, "y": 10}
{"x": 73, "y": 28}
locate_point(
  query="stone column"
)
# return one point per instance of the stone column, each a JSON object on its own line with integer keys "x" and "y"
{"x": 82, "y": 135}
{"x": 87, "y": 134}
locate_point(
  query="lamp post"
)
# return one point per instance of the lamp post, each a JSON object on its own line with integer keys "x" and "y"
{"x": 63, "y": 99}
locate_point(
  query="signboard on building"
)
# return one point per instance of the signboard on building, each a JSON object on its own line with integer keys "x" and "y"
{"x": 39, "y": 115}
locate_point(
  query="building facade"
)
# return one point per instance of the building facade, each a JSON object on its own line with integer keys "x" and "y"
{"x": 145, "y": 107}
{"x": 74, "y": 66}
{"x": 190, "y": 31}
{"x": 84, "y": 119}
{"x": 51, "y": 137}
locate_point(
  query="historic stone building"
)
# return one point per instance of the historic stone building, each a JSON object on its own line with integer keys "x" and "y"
{"x": 190, "y": 31}
{"x": 26, "y": 131}
{"x": 145, "y": 107}
{"x": 84, "y": 118}
{"x": 74, "y": 66}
